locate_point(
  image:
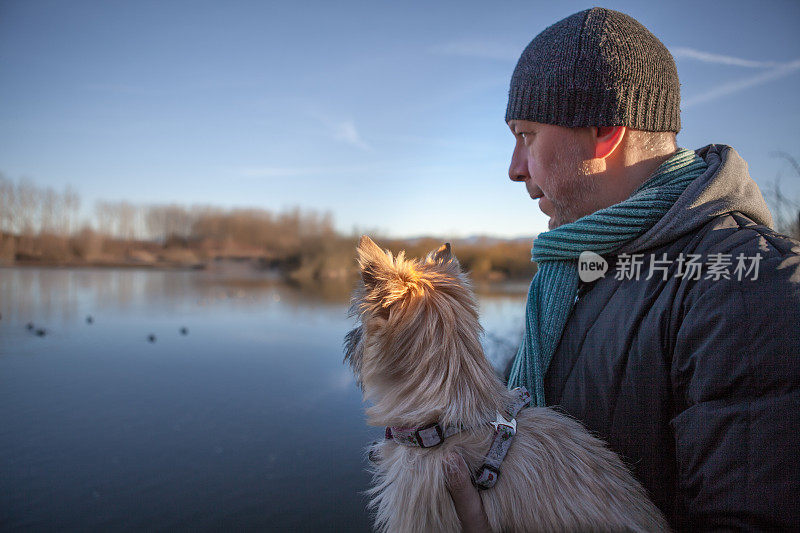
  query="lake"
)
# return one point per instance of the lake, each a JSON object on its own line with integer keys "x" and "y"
{"x": 248, "y": 419}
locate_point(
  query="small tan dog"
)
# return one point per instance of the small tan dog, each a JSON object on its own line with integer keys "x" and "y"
{"x": 419, "y": 361}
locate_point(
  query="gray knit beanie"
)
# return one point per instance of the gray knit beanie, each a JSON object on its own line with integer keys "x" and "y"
{"x": 597, "y": 67}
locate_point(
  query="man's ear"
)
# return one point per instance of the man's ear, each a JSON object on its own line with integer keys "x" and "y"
{"x": 607, "y": 138}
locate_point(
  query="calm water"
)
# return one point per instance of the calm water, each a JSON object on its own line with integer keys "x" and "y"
{"x": 250, "y": 420}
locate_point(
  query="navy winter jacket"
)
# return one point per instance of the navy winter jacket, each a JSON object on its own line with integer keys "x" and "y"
{"x": 696, "y": 382}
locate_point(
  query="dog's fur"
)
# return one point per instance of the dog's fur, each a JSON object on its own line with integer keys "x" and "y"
{"x": 418, "y": 359}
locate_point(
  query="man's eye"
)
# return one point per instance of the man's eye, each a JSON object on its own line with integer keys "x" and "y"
{"x": 525, "y": 134}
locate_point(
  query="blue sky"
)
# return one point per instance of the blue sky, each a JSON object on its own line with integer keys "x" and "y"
{"x": 387, "y": 114}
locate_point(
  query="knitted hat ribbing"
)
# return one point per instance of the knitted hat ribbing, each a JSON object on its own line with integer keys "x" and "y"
{"x": 598, "y": 67}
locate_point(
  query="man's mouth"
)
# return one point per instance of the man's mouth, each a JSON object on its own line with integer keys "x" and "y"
{"x": 536, "y": 194}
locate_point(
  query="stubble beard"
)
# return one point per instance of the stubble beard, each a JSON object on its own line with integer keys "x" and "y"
{"x": 577, "y": 187}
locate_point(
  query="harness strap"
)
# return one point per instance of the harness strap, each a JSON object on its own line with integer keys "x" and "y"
{"x": 433, "y": 434}
{"x": 426, "y": 436}
{"x": 504, "y": 431}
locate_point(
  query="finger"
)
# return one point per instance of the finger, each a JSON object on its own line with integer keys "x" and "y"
{"x": 466, "y": 498}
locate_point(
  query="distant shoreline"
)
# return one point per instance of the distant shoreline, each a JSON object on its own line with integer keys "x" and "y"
{"x": 101, "y": 265}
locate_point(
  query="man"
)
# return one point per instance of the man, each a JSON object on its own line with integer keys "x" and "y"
{"x": 683, "y": 355}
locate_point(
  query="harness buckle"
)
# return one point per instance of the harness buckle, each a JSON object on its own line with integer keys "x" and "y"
{"x": 427, "y": 434}
{"x": 510, "y": 424}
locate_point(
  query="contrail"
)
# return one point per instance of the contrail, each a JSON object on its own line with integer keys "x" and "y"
{"x": 740, "y": 85}
{"x": 707, "y": 57}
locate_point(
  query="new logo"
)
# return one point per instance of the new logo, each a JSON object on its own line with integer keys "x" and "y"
{"x": 591, "y": 266}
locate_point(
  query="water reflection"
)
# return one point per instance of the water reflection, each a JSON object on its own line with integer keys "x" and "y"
{"x": 249, "y": 420}
{"x": 53, "y": 294}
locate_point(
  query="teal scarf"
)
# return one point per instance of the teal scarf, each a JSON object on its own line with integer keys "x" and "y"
{"x": 552, "y": 292}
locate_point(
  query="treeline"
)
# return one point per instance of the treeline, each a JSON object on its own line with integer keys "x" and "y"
{"x": 483, "y": 257}
{"x": 40, "y": 225}
{"x": 26, "y": 209}
{"x": 43, "y": 226}
{"x": 29, "y": 210}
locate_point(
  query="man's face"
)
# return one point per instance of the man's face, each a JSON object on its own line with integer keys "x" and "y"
{"x": 552, "y": 162}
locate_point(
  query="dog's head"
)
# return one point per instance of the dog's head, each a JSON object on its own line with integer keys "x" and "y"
{"x": 391, "y": 283}
{"x": 418, "y": 322}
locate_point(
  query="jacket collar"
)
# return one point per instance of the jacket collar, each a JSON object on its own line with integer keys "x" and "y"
{"x": 725, "y": 187}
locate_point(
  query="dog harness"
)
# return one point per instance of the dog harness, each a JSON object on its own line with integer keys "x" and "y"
{"x": 431, "y": 435}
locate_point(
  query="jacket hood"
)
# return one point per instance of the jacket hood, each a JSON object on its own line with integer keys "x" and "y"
{"x": 724, "y": 187}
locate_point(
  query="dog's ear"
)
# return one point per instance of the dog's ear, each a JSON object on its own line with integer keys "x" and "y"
{"x": 443, "y": 254}
{"x": 372, "y": 261}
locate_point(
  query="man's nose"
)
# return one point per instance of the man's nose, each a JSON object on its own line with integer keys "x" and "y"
{"x": 518, "y": 170}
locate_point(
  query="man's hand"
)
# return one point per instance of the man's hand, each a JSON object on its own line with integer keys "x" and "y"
{"x": 466, "y": 499}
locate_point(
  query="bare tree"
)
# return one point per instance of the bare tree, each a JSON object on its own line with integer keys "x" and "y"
{"x": 126, "y": 220}
{"x": 785, "y": 211}
{"x": 165, "y": 221}
{"x": 7, "y": 205}
{"x": 49, "y": 211}
{"x": 104, "y": 215}
{"x": 28, "y": 207}
{"x": 72, "y": 205}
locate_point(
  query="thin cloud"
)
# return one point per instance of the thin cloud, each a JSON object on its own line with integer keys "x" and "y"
{"x": 398, "y": 167}
{"x": 340, "y": 130}
{"x": 289, "y": 172}
{"x": 494, "y": 50}
{"x": 120, "y": 88}
{"x": 751, "y": 81}
{"x": 277, "y": 172}
{"x": 773, "y": 70}
{"x": 719, "y": 59}
{"x": 346, "y": 132}
{"x": 478, "y": 49}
